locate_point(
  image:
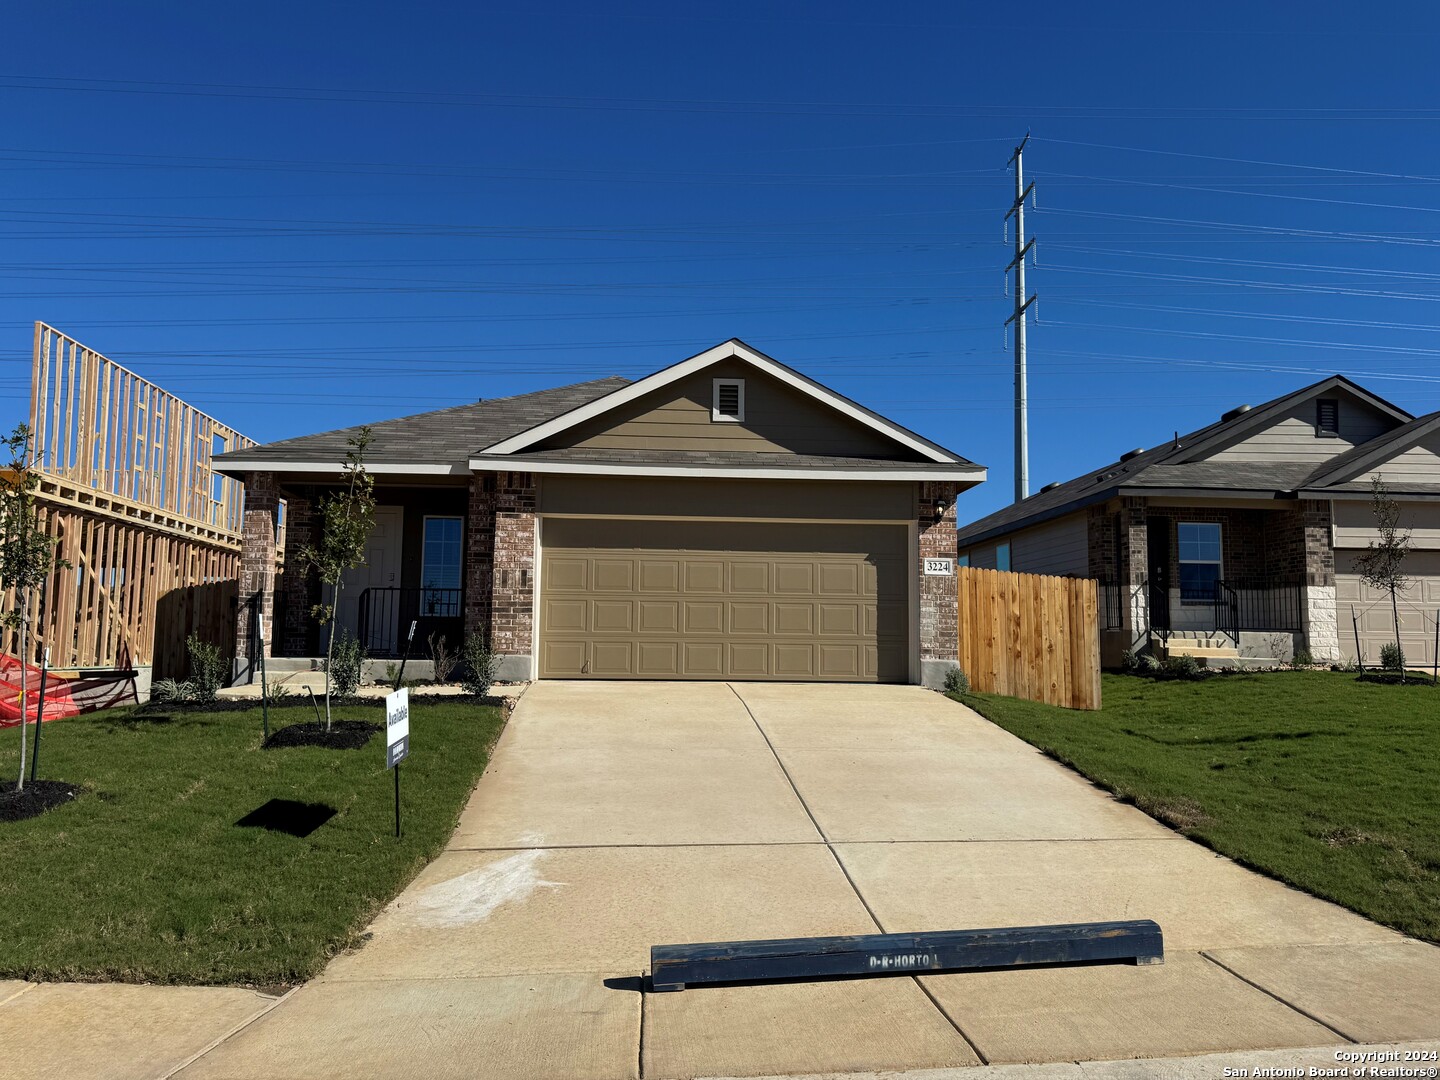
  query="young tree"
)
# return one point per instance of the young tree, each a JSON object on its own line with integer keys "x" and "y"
{"x": 1383, "y": 564}
{"x": 347, "y": 517}
{"x": 27, "y": 554}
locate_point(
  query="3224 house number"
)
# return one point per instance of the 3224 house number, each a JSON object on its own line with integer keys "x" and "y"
{"x": 944, "y": 567}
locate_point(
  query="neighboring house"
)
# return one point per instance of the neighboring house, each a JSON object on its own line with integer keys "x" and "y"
{"x": 1243, "y": 534}
{"x": 723, "y": 518}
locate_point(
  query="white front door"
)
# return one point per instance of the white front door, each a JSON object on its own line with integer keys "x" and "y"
{"x": 380, "y": 574}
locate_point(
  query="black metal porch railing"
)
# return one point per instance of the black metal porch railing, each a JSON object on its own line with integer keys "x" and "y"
{"x": 1259, "y": 604}
{"x": 385, "y": 615}
{"x": 1112, "y": 597}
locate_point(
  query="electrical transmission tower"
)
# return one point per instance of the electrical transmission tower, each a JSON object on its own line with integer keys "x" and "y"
{"x": 1022, "y": 302}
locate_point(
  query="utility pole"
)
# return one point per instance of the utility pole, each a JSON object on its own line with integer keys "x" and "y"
{"x": 1022, "y": 248}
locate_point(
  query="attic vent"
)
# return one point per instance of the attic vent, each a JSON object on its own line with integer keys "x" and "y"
{"x": 729, "y": 403}
{"x": 1049, "y": 487}
{"x": 1132, "y": 453}
{"x": 1327, "y": 416}
{"x": 1239, "y": 410}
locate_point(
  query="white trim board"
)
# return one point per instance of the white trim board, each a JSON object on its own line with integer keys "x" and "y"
{"x": 379, "y": 468}
{"x": 972, "y": 474}
{"x": 734, "y": 348}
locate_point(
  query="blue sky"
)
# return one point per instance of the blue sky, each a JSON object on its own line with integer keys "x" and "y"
{"x": 303, "y": 216}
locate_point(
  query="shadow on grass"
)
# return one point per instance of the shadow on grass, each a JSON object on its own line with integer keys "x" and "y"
{"x": 288, "y": 816}
{"x": 1237, "y": 740}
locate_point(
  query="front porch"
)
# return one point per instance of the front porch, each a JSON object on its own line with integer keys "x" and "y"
{"x": 428, "y": 563}
{"x": 1222, "y": 581}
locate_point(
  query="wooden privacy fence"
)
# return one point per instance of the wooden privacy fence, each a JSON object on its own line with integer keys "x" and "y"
{"x": 150, "y": 530}
{"x": 1030, "y": 636}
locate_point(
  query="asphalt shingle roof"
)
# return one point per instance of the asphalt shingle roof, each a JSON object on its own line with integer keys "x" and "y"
{"x": 1163, "y": 467}
{"x": 445, "y": 435}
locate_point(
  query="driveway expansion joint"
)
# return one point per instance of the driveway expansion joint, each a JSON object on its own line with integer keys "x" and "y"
{"x": 830, "y": 846}
{"x": 1272, "y": 994}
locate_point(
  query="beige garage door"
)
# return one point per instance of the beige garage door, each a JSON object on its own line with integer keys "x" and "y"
{"x": 1418, "y": 607}
{"x": 723, "y": 600}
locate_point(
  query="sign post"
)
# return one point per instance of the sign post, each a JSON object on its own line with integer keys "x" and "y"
{"x": 397, "y": 740}
{"x": 264, "y": 690}
{"x": 409, "y": 640}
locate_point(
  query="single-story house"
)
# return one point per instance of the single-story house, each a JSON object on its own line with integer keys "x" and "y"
{"x": 723, "y": 518}
{"x": 1243, "y": 535}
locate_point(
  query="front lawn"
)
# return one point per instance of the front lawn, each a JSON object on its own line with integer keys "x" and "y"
{"x": 1315, "y": 778}
{"x": 148, "y": 877}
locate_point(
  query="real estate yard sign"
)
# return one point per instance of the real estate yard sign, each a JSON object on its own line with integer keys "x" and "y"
{"x": 397, "y": 740}
{"x": 397, "y": 727}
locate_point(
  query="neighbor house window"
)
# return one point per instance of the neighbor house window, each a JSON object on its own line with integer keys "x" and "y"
{"x": 1199, "y": 560}
{"x": 1002, "y": 557}
{"x": 1327, "y": 416}
{"x": 729, "y": 403}
{"x": 440, "y": 570}
{"x": 962, "y": 560}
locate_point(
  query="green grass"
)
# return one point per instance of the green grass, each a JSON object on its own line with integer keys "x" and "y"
{"x": 146, "y": 877}
{"x": 1324, "y": 782}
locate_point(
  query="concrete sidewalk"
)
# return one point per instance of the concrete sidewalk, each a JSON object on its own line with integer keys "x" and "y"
{"x": 616, "y": 816}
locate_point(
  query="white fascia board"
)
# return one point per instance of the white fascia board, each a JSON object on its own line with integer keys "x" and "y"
{"x": 378, "y": 468}
{"x": 973, "y": 474}
{"x": 725, "y": 351}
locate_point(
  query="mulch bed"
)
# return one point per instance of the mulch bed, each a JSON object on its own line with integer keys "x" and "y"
{"x": 36, "y": 797}
{"x": 1392, "y": 678}
{"x": 343, "y": 735}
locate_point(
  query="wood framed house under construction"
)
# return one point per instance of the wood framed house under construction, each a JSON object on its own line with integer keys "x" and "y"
{"x": 150, "y": 530}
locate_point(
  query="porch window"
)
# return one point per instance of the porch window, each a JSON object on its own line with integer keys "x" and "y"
{"x": 440, "y": 570}
{"x": 1199, "y": 560}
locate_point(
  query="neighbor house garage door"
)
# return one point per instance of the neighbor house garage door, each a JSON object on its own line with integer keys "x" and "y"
{"x": 1418, "y": 607}
{"x": 723, "y": 600}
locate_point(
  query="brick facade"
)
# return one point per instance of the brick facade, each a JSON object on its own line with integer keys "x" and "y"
{"x": 939, "y": 600}
{"x": 298, "y": 591}
{"x": 257, "y": 570}
{"x": 500, "y": 561}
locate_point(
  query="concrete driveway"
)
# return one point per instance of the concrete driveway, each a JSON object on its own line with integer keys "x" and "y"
{"x": 615, "y": 816}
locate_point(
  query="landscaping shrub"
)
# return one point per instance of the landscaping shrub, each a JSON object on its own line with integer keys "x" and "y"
{"x": 171, "y": 692}
{"x": 207, "y": 669}
{"x": 1146, "y": 664}
{"x": 346, "y": 664}
{"x": 1182, "y": 667}
{"x": 1302, "y": 658}
{"x": 957, "y": 682}
{"x": 1392, "y": 657}
{"x": 442, "y": 657}
{"x": 480, "y": 665}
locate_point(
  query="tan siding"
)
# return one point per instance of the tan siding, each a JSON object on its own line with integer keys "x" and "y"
{"x": 1293, "y": 438}
{"x": 1355, "y": 523}
{"x": 683, "y": 497}
{"x": 1060, "y": 548}
{"x": 1418, "y": 465}
{"x": 778, "y": 420}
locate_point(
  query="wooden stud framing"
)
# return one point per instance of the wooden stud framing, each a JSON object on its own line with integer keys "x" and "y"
{"x": 152, "y": 533}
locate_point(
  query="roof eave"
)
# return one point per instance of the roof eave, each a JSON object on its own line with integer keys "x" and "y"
{"x": 969, "y": 475}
